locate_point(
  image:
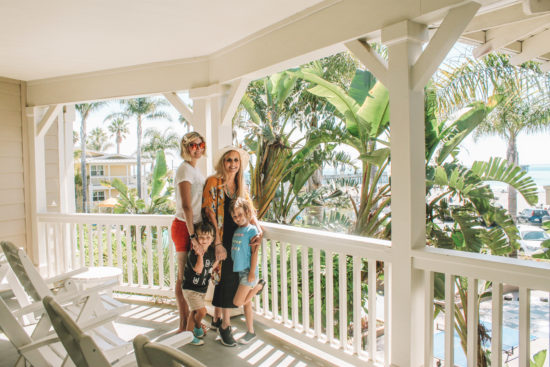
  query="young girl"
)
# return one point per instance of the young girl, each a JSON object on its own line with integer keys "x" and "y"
{"x": 198, "y": 269}
{"x": 245, "y": 262}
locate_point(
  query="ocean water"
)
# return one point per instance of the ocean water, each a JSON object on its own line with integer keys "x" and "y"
{"x": 540, "y": 173}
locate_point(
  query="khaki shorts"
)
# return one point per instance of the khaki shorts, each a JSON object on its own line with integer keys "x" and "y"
{"x": 195, "y": 300}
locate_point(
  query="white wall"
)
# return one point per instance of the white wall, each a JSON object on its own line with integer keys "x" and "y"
{"x": 12, "y": 193}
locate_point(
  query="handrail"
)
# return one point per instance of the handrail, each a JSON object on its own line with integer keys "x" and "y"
{"x": 525, "y": 273}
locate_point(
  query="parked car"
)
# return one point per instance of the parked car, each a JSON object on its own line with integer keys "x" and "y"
{"x": 531, "y": 239}
{"x": 532, "y": 216}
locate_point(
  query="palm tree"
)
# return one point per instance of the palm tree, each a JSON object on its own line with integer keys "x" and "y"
{"x": 185, "y": 123}
{"x": 160, "y": 141}
{"x": 98, "y": 140}
{"x": 525, "y": 108}
{"x": 144, "y": 108}
{"x": 119, "y": 129}
{"x": 85, "y": 109}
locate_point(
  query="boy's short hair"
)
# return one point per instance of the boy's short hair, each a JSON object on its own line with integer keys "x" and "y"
{"x": 205, "y": 227}
{"x": 241, "y": 202}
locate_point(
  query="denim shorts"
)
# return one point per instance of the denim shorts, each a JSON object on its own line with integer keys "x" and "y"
{"x": 243, "y": 278}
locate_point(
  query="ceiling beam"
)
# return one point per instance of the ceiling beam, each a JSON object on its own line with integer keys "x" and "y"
{"x": 370, "y": 58}
{"x": 232, "y": 100}
{"x": 500, "y": 37}
{"x": 47, "y": 120}
{"x": 536, "y": 6}
{"x": 180, "y": 106}
{"x": 441, "y": 43}
{"x": 498, "y": 18}
{"x": 533, "y": 47}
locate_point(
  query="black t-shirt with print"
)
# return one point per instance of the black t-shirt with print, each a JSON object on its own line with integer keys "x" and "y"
{"x": 198, "y": 282}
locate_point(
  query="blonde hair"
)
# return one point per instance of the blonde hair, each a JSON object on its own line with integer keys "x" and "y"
{"x": 246, "y": 205}
{"x": 184, "y": 144}
{"x": 239, "y": 177}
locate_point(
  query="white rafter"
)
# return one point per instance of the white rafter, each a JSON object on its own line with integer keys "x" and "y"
{"x": 500, "y": 37}
{"x": 533, "y": 47}
{"x": 441, "y": 43}
{"x": 498, "y": 18}
{"x": 233, "y": 98}
{"x": 370, "y": 58}
{"x": 47, "y": 120}
{"x": 536, "y": 6}
{"x": 180, "y": 106}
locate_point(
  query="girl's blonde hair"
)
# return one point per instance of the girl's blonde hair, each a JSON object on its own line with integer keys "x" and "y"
{"x": 184, "y": 144}
{"x": 239, "y": 177}
{"x": 246, "y": 205}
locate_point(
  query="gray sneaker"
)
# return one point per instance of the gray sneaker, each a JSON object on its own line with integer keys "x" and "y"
{"x": 226, "y": 337}
{"x": 247, "y": 338}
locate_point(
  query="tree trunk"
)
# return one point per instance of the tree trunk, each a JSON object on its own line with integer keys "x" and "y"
{"x": 83, "y": 164}
{"x": 512, "y": 158}
{"x": 138, "y": 170}
{"x": 118, "y": 141}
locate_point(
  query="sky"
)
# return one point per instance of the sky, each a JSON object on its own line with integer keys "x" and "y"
{"x": 530, "y": 147}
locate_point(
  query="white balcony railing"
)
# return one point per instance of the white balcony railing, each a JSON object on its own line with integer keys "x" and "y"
{"x": 322, "y": 288}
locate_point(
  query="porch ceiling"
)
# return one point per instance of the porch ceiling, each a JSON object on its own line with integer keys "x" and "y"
{"x": 43, "y": 39}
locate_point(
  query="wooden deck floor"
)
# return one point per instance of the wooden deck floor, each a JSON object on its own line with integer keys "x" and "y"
{"x": 266, "y": 350}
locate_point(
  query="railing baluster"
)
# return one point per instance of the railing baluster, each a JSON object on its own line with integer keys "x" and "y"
{"x": 57, "y": 247}
{"x": 149, "y": 248}
{"x": 100, "y": 244}
{"x": 357, "y": 264}
{"x": 139, "y": 256}
{"x": 317, "y": 292}
{"x": 74, "y": 249}
{"x": 118, "y": 247}
{"x": 160, "y": 255}
{"x": 330, "y": 296}
{"x": 387, "y": 319}
{"x": 294, "y": 284}
{"x": 449, "y": 319}
{"x": 274, "y": 282}
{"x": 129, "y": 260}
{"x": 82, "y": 251}
{"x": 305, "y": 288}
{"x": 496, "y": 327}
{"x": 284, "y": 283}
{"x": 109, "y": 234}
{"x": 524, "y": 326}
{"x": 90, "y": 245}
{"x": 343, "y": 300}
{"x": 428, "y": 318}
{"x": 371, "y": 297}
{"x": 472, "y": 322}
{"x": 265, "y": 275}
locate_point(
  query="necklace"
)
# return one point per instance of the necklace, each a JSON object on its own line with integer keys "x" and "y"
{"x": 229, "y": 192}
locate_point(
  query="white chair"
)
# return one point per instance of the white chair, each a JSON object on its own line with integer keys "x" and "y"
{"x": 151, "y": 354}
{"x": 84, "y": 351}
{"x": 88, "y": 307}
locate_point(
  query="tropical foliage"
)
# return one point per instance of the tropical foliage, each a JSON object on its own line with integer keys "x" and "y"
{"x": 118, "y": 128}
{"x": 155, "y": 141}
{"x": 98, "y": 140}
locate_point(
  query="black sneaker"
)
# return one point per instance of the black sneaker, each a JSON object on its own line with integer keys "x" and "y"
{"x": 226, "y": 337}
{"x": 214, "y": 325}
{"x": 247, "y": 338}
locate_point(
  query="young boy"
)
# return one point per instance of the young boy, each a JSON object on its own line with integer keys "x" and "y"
{"x": 245, "y": 262}
{"x": 196, "y": 274}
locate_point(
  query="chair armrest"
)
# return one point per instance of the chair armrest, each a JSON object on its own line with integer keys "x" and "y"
{"x": 47, "y": 340}
{"x": 65, "y": 297}
{"x": 176, "y": 340}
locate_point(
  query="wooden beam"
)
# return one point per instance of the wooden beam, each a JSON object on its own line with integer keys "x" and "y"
{"x": 533, "y": 47}
{"x": 498, "y": 18}
{"x": 536, "y": 6}
{"x": 232, "y": 100}
{"x": 441, "y": 43}
{"x": 47, "y": 120}
{"x": 370, "y": 58}
{"x": 180, "y": 106}
{"x": 500, "y": 37}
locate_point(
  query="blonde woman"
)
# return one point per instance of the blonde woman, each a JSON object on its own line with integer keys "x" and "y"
{"x": 189, "y": 183}
{"x": 226, "y": 185}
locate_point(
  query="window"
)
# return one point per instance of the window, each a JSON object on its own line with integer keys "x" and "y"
{"x": 99, "y": 196}
{"x": 96, "y": 171}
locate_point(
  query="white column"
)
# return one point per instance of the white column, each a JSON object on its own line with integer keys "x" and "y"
{"x": 404, "y": 41}
{"x": 207, "y": 120}
{"x": 66, "y": 160}
{"x": 37, "y": 175}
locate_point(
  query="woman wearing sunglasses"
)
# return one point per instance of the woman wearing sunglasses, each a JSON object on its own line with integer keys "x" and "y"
{"x": 189, "y": 183}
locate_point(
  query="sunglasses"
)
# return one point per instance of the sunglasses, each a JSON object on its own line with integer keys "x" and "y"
{"x": 200, "y": 145}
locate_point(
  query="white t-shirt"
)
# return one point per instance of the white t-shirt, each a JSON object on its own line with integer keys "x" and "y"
{"x": 187, "y": 172}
